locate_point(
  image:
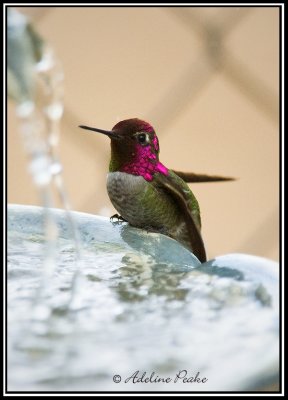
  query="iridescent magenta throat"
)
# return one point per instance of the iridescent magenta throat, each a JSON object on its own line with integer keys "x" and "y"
{"x": 145, "y": 162}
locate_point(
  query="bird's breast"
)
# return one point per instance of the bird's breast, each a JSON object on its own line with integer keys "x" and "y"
{"x": 145, "y": 206}
{"x": 126, "y": 193}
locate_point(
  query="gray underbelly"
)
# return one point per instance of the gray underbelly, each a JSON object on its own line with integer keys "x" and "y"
{"x": 126, "y": 193}
{"x": 143, "y": 206}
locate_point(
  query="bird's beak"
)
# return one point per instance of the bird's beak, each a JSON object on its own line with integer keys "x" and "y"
{"x": 111, "y": 134}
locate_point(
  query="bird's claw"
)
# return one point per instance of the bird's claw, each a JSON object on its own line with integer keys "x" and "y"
{"x": 118, "y": 217}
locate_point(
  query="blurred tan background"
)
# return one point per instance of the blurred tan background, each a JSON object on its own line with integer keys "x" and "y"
{"x": 206, "y": 78}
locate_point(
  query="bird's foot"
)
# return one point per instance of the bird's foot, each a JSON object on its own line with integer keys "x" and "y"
{"x": 118, "y": 217}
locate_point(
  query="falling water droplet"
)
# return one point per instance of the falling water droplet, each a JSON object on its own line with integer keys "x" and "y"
{"x": 39, "y": 111}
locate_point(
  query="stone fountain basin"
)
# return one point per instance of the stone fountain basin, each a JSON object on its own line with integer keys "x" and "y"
{"x": 134, "y": 301}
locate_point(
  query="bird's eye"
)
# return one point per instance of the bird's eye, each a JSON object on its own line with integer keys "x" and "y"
{"x": 143, "y": 138}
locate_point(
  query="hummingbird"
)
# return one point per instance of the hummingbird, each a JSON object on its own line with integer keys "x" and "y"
{"x": 146, "y": 193}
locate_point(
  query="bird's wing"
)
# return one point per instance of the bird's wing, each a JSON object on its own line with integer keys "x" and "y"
{"x": 175, "y": 187}
{"x": 191, "y": 177}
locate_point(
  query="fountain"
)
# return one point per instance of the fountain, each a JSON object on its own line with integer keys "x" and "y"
{"x": 101, "y": 306}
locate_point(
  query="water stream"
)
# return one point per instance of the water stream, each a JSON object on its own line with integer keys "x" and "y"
{"x": 36, "y": 79}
